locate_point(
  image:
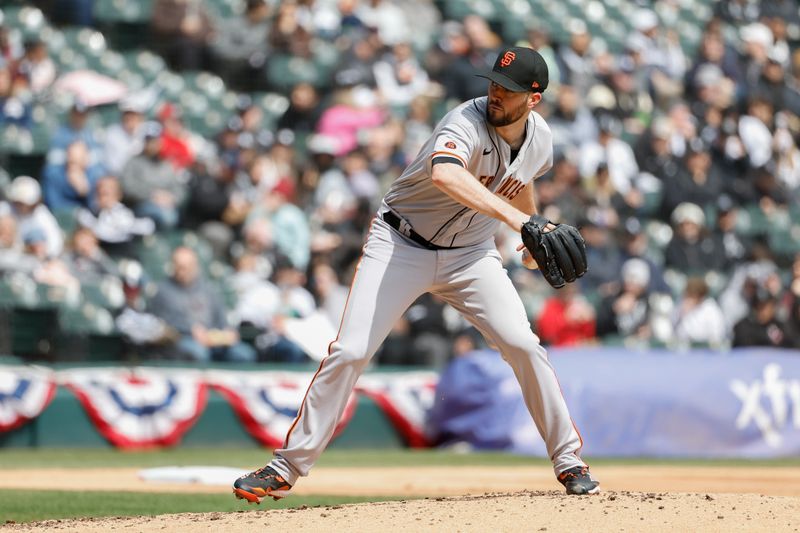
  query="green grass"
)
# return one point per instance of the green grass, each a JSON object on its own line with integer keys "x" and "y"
{"x": 29, "y": 505}
{"x": 249, "y": 458}
{"x": 245, "y": 458}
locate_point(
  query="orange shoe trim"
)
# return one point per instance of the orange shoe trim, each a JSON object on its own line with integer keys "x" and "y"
{"x": 250, "y": 497}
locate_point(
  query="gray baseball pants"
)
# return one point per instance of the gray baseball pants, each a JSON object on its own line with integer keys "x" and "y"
{"x": 392, "y": 273}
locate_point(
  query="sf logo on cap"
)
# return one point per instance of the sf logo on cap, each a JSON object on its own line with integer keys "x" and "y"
{"x": 508, "y": 57}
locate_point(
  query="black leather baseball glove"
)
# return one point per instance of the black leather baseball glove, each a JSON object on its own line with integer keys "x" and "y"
{"x": 560, "y": 252}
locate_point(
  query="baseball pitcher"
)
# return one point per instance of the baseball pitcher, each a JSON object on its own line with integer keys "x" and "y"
{"x": 434, "y": 233}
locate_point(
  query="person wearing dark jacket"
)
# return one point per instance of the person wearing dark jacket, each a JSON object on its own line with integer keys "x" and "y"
{"x": 761, "y": 327}
{"x": 692, "y": 250}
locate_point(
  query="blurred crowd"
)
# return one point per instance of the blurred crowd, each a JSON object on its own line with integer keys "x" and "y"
{"x": 681, "y": 167}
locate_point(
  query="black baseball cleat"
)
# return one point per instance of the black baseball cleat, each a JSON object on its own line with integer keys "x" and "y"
{"x": 264, "y": 482}
{"x": 578, "y": 480}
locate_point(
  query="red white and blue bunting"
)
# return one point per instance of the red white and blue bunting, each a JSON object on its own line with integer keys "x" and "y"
{"x": 266, "y": 403}
{"x": 140, "y": 407}
{"x": 144, "y": 407}
{"x": 405, "y": 398}
{"x": 24, "y": 393}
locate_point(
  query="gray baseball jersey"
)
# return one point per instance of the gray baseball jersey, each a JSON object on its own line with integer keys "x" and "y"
{"x": 396, "y": 268}
{"x": 464, "y": 136}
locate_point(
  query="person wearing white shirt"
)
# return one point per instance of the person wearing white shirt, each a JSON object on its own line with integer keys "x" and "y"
{"x": 699, "y": 318}
{"x": 24, "y": 197}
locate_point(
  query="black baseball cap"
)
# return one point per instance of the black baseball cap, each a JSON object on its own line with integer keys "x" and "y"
{"x": 519, "y": 69}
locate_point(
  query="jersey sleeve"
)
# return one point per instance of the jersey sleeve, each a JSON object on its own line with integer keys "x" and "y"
{"x": 544, "y": 168}
{"x": 454, "y": 142}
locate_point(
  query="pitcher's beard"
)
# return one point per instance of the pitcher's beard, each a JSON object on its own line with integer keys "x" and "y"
{"x": 499, "y": 119}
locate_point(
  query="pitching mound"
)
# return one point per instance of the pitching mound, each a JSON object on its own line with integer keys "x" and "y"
{"x": 502, "y": 512}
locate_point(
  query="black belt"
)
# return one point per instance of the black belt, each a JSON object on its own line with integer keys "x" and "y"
{"x": 394, "y": 221}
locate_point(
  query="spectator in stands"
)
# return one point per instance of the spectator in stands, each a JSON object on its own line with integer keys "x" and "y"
{"x": 606, "y": 204}
{"x": 24, "y": 204}
{"x": 634, "y": 241}
{"x": 296, "y": 300}
{"x": 692, "y": 250}
{"x": 12, "y": 257}
{"x": 420, "y": 337}
{"x": 141, "y": 329}
{"x": 111, "y": 221}
{"x": 761, "y": 327}
{"x": 353, "y": 110}
{"x": 400, "y": 78}
{"x": 290, "y": 225}
{"x": 387, "y": 18}
{"x": 363, "y": 183}
{"x": 626, "y": 312}
{"x": 772, "y": 86}
{"x": 654, "y": 151}
{"x": 759, "y": 269}
{"x": 257, "y": 299}
{"x": 567, "y": 319}
{"x": 757, "y": 42}
{"x": 431, "y": 336}
{"x": 15, "y": 100}
{"x": 755, "y": 131}
{"x": 619, "y": 96}
{"x": 86, "y": 260}
{"x": 47, "y": 269}
{"x": 418, "y": 127}
{"x": 355, "y": 66}
{"x": 734, "y": 246}
{"x": 175, "y": 146}
{"x": 572, "y": 124}
{"x": 258, "y": 240}
{"x": 793, "y": 324}
{"x": 239, "y": 45}
{"x": 124, "y": 139}
{"x": 576, "y": 61}
{"x": 786, "y": 154}
{"x": 289, "y": 33}
{"x": 331, "y": 295}
{"x": 304, "y": 110}
{"x": 617, "y": 155}
{"x": 339, "y": 235}
{"x": 793, "y": 305}
{"x": 459, "y": 58}
{"x": 738, "y": 12}
{"x": 711, "y": 91}
{"x": 187, "y": 303}
{"x": 77, "y": 128}
{"x": 603, "y": 252}
{"x": 35, "y": 67}
{"x": 180, "y": 31}
{"x": 150, "y": 184}
{"x": 698, "y": 180}
{"x": 382, "y": 146}
{"x": 560, "y": 192}
{"x": 259, "y": 176}
{"x": 660, "y": 51}
{"x": 712, "y": 51}
{"x": 209, "y": 209}
{"x": 698, "y": 320}
{"x": 260, "y": 306}
{"x": 71, "y": 185}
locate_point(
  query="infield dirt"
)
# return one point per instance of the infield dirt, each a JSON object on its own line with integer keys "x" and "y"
{"x": 467, "y": 499}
